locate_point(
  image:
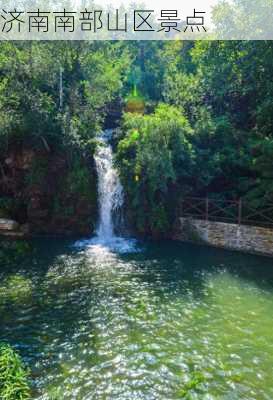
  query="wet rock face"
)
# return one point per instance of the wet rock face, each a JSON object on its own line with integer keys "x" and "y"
{"x": 20, "y": 160}
{"x": 12, "y": 229}
{"x": 8, "y": 225}
{"x": 47, "y": 193}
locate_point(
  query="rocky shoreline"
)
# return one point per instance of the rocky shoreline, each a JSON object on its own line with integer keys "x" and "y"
{"x": 12, "y": 229}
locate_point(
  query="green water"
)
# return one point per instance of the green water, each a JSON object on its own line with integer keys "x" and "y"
{"x": 173, "y": 321}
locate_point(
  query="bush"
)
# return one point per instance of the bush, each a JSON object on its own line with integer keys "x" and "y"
{"x": 13, "y": 375}
{"x": 6, "y": 206}
{"x": 78, "y": 179}
{"x": 14, "y": 251}
{"x": 153, "y": 157}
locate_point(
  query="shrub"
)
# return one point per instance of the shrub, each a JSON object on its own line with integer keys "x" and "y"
{"x": 78, "y": 179}
{"x": 13, "y": 251}
{"x": 37, "y": 172}
{"x": 6, "y": 206}
{"x": 13, "y": 375}
{"x": 153, "y": 157}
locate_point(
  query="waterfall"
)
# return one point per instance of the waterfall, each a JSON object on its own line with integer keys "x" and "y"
{"x": 110, "y": 192}
{"x": 110, "y": 201}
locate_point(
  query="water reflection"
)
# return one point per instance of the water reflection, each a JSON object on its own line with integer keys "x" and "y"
{"x": 100, "y": 325}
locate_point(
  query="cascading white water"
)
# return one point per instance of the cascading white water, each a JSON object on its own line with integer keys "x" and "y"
{"x": 110, "y": 192}
{"x": 110, "y": 199}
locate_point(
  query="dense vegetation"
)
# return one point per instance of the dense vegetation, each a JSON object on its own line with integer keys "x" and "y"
{"x": 197, "y": 119}
{"x": 215, "y": 135}
{"x": 14, "y": 377}
{"x": 53, "y": 100}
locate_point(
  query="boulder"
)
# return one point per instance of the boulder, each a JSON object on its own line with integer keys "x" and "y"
{"x": 8, "y": 225}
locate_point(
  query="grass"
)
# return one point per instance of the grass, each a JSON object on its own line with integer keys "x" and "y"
{"x": 13, "y": 375}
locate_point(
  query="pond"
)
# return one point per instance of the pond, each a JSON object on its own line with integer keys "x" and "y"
{"x": 170, "y": 321}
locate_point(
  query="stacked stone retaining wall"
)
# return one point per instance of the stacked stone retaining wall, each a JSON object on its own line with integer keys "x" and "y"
{"x": 251, "y": 239}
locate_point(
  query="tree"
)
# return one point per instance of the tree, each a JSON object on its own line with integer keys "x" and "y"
{"x": 153, "y": 156}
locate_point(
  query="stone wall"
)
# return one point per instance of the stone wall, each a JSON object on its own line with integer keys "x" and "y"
{"x": 251, "y": 239}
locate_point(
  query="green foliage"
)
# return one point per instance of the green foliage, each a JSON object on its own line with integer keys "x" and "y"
{"x": 14, "y": 376}
{"x": 261, "y": 192}
{"x": 212, "y": 134}
{"x": 233, "y": 18}
{"x": 13, "y": 251}
{"x": 78, "y": 179}
{"x": 154, "y": 154}
{"x": 193, "y": 384}
{"x": 224, "y": 89}
{"x": 6, "y": 206}
{"x": 55, "y": 394}
{"x": 37, "y": 172}
{"x": 77, "y": 192}
{"x": 29, "y": 89}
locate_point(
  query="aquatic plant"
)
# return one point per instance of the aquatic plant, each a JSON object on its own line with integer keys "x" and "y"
{"x": 14, "y": 383}
{"x": 192, "y": 384}
{"x": 15, "y": 288}
{"x": 55, "y": 394}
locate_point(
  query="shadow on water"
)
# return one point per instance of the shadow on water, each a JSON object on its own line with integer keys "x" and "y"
{"x": 191, "y": 263}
